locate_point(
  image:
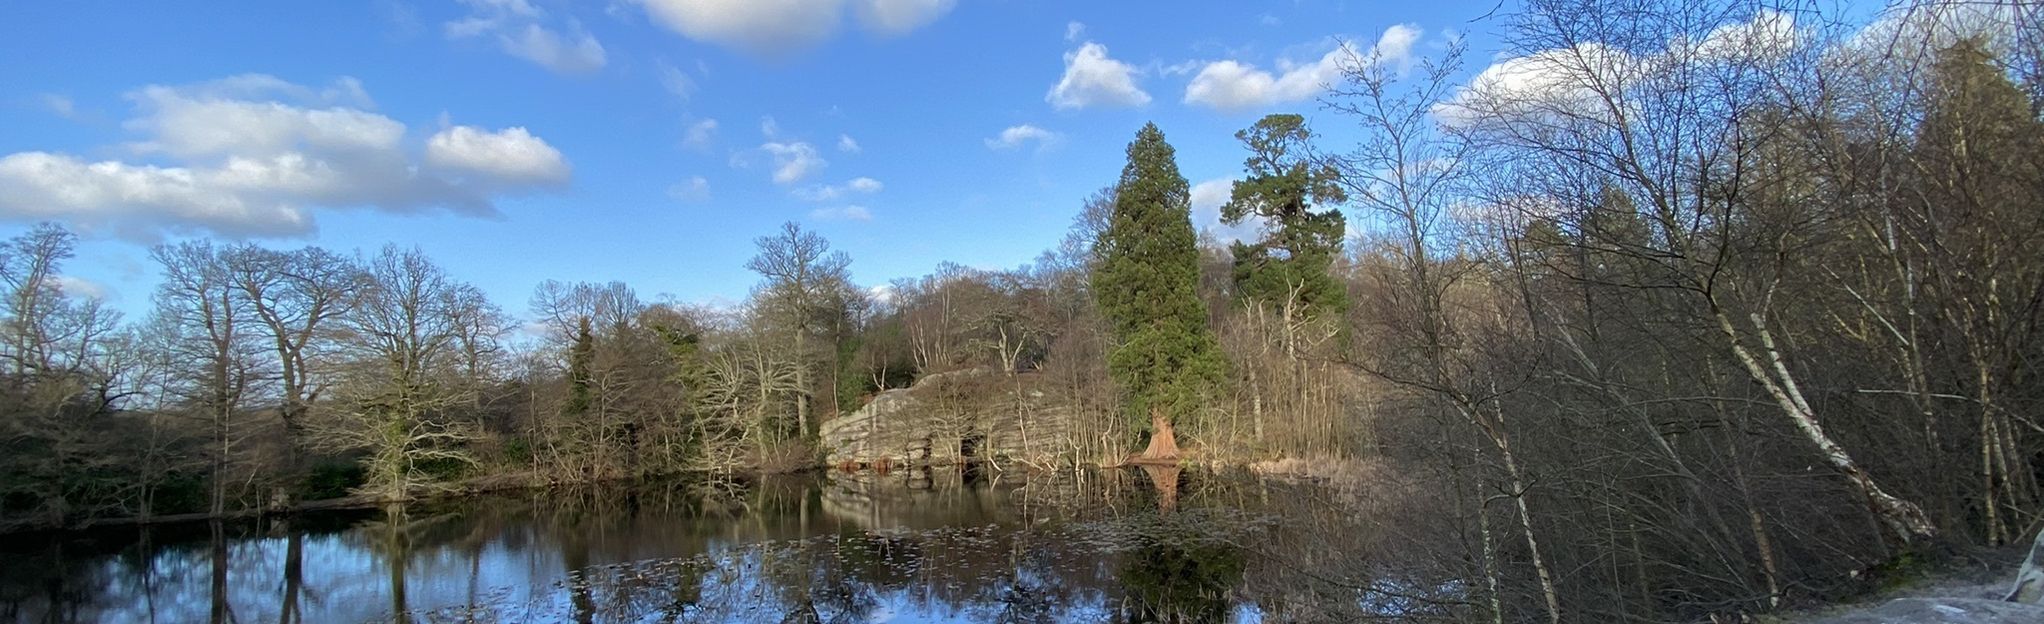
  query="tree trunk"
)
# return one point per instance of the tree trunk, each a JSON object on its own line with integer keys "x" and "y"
{"x": 1903, "y": 520}
{"x": 1163, "y": 444}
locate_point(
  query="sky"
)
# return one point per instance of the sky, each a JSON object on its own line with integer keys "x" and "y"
{"x": 644, "y": 141}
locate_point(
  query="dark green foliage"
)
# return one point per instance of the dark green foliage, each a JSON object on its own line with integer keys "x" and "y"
{"x": 444, "y": 469}
{"x": 329, "y": 479}
{"x": 1173, "y": 581}
{"x": 1287, "y": 189}
{"x": 179, "y": 493}
{"x": 579, "y": 360}
{"x": 852, "y": 386}
{"x": 1165, "y": 358}
{"x": 517, "y": 451}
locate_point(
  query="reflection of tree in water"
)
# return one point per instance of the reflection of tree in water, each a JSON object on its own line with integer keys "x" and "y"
{"x": 1170, "y": 581}
{"x": 1054, "y": 548}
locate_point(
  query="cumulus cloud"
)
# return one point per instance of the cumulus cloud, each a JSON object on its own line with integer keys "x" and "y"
{"x": 793, "y": 162}
{"x": 694, "y": 189}
{"x": 1016, "y": 136}
{"x": 1207, "y": 198}
{"x": 700, "y": 134}
{"x": 1074, "y": 30}
{"x": 1093, "y": 79}
{"x": 512, "y": 153}
{"x": 768, "y": 127}
{"x": 256, "y": 156}
{"x": 522, "y": 30}
{"x": 833, "y": 192}
{"x": 842, "y": 213}
{"x": 848, "y": 145}
{"x": 783, "y": 28}
{"x": 1234, "y": 85}
{"x": 1564, "y": 82}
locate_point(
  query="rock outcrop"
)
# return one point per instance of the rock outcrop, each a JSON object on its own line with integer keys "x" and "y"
{"x": 967, "y": 415}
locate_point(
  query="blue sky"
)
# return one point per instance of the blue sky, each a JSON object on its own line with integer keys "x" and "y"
{"x": 646, "y": 141}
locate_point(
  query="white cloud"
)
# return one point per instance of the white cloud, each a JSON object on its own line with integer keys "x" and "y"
{"x": 773, "y": 28}
{"x": 579, "y": 53}
{"x": 846, "y": 144}
{"x": 883, "y": 294}
{"x": 75, "y": 286}
{"x": 1093, "y": 79}
{"x": 521, "y": 30}
{"x": 1074, "y": 30}
{"x": 700, "y": 134}
{"x": 59, "y": 105}
{"x": 900, "y": 17}
{"x": 793, "y": 162}
{"x": 834, "y": 192}
{"x": 694, "y": 189}
{"x": 782, "y": 28}
{"x": 511, "y": 154}
{"x": 842, "y": 213}
{"x": 768, "y": 127}
{"x": 1015, "y": 136}
{"x": 1234, "y": 85}
{"x": 1269, "y": 20}
{"x": 676, "y": 81}
{"x": 232, "y": 117}
{"x": 1770, "y": 34}
{"x": 1207, "y": 198}
{"x": 1564, "y": 83}
{"x": 255, "y": 156}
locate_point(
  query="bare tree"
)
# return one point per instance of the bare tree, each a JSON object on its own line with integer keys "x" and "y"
{"x": 405, "y": 345}
{"x": 1409, "y": 172}
{"x": 215, "y": 334}
{"x": 802, "y": 273}
{"x": 1673, "y": 110}
{"x": 296, "y": 296}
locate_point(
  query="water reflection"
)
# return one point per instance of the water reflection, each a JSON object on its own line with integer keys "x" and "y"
{"x": 912, "y": 546}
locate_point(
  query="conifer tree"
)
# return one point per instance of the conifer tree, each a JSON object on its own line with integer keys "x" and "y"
{"x": 1165, "y": 359}
{"x": 580, "y": 357}
{"x": 1289, "y": 265}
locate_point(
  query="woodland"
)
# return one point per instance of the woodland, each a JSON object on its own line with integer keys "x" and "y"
{"x": 1701, "y": 307}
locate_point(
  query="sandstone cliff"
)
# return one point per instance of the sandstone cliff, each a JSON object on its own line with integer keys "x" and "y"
{"x": 974, "y": 415}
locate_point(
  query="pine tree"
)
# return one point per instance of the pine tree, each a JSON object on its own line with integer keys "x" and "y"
{"x": 1289, "y": 266}
{"x": 1165, "y": 358}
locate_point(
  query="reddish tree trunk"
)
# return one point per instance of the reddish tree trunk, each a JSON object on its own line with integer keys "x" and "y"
{"x": 1163, "y": 444}
{"x": 1165, "y": 478}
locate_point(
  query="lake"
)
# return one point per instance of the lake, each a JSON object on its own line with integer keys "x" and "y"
{"x": 927, "y": 545}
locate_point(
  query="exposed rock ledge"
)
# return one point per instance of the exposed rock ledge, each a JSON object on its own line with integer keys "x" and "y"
{"x": 973, "y": 414}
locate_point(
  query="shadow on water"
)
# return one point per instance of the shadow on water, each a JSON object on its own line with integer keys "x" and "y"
{"x": 927, "y": 545}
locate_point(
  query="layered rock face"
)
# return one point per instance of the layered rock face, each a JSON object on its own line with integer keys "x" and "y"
{"x": 968, "y": 415}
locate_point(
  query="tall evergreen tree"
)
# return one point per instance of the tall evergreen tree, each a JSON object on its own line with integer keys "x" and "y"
{"x": 1165, "y": 358}
{"x": 580, "y": 358}
{"x": 1288, "y": 267}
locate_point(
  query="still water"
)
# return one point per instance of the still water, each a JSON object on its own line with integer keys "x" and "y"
{"x": 912, "y": 546}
